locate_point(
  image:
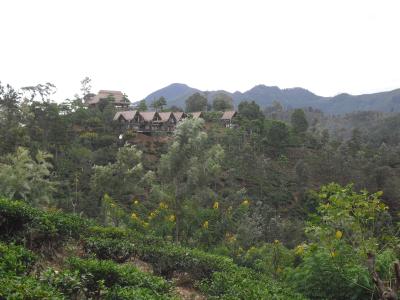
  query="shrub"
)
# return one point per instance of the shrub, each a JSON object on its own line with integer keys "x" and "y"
{"x": 15, "y": 217}
{"x": 114, "y": 274}
{"x": 270, "y": 258}
{"x": 38, "y": 229}
{"x": 15, "y": 259}
{"x": 241, "y": 283}
{"x": 118, "y": 250}
{"x": 27, "y": 288}
{"x": 330, "y": 275}
{"x": 124, "y": 233}
{"x": 169, "y": 258}
{"x": 127, "y": 293}
{"x": 70, "y": 283}
{"x": 346, "y": 229}
{"x": 107, "y": 232}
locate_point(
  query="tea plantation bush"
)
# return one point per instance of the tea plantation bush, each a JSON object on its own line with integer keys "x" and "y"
{"x": 114, "y": 274}
{"x": 38, "y": 229}
{"x": 15, "y": 259}
{"x": 99, "y": 274}
{"x": 29, "y": 288}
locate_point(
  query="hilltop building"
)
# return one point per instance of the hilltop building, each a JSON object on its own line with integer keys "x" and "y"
{"x": 119, "y": 100}
{"x": 227, "y": 118}
{"x": 197, "y": 114}
{"x": 152, "y": 121}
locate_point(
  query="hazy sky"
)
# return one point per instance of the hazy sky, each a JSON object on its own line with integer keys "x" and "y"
{"x": 325, "y": 46}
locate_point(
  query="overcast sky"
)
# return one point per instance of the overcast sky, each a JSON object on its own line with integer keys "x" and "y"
{"x": 138, "y": 47}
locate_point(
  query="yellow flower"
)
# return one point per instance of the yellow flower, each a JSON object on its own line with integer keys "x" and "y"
{"x": 216, "y": 205}
{"x": 333, "y": 253}
{"x": 152, "y": 215}
{"x": 246, "y": 202}
{"x": 136, "y": 202}
{"x": 299, "y": 250}
{"x": 171, "y": 218}
{"x": 145, "y": 224}
{"x": 163, "y": 205}
{"x": 134, "y": 216}
{"x": 205, "y": 225}
{"x": 276, "y": 241}
{"x": 232, "y": 239}
{"x": 339, "y": 234}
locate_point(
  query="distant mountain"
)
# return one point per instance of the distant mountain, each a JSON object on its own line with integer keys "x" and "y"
{"x": 263, "y": 95}
{"x": 344, "y": 103}
{"x": 176, "y": 94}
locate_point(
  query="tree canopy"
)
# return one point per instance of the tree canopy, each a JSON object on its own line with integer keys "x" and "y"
{"x": 196, "y": 102}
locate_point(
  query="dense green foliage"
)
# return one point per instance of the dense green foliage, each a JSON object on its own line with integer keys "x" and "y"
{"x": 196, "y": 102}
{"x": 222, "y": 102}
{"x": 247, "y": 212}
{"x": 104, "y": 279}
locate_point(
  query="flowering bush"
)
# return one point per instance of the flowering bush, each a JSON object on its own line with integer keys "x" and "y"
{"x": 347, "y": 227}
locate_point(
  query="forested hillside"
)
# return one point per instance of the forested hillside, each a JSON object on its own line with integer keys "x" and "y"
{"x": 285, "y": 204}
{"x": 265, "y": 96}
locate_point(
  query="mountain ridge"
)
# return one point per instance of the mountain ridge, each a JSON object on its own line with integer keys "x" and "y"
{"x": 296, "y": 97}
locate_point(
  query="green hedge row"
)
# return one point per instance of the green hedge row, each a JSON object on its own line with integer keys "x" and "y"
{"x": 242, "y": 283}
{"x": 16, "y": 263}
{"x": 112, "y": 274}
{"x": 221, "y": 278}
{"x": 165, "y": 257}
{"x": 26, "y": 288}
{"x": 38, "y": 229}
{"x": 15, "y": 260}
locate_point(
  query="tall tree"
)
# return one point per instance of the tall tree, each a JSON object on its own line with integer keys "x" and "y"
{"x": 196, "y": 102}
{"x": 189, "y": 166}
{"x": 159, "y": 103}
{"x": 222, "y": 102}
{"x": 22, "y": 177}
{"x": 123, "y": 179}
{"x": 299, "y": 121}
{"x": 142, "y": 106}
{"x": 44, "y": 90}
{"x": 86, "y": 86}
{"x": 250, "y": 110}
{"x": 11, "y": 131}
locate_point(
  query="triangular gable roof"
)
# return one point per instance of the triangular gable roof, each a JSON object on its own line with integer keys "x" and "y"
{"x": 148, "y": 116}
{"x": 179, "y": 115}
{"x": 228, "y": 115}
{"x": 197, "y": 114}
{"x": 165, "y": 116}
{"x": 128, "y": 115}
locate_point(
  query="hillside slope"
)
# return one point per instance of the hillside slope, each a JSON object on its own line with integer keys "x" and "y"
{"x": 51, "y": 255}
